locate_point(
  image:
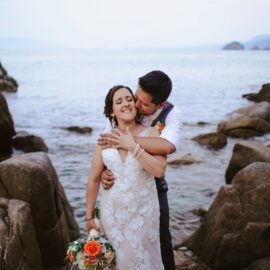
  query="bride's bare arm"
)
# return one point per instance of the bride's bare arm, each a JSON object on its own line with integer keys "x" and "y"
{"x": 153, "y": 164}
{"x": 93, "y": 184}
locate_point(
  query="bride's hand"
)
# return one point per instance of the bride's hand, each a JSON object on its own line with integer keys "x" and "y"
{"x": 123, "y": 140}
{"x": 90, "y": 224}
{"x": 105, "y": 141}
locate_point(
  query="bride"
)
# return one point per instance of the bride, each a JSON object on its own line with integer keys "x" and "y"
{"x": 130, "y": 209}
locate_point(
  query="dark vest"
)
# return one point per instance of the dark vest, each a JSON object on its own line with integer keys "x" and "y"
{"x": 161, "y": 182}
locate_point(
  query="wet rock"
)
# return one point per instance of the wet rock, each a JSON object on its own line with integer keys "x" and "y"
{"x": 7, "y": 83}
{"x": 202, "y": 123}
{"x": 28, "y": 143}
{"x": 262, "y": 264}
{"x": 32, "y": 178}
{"x": 244, "y": 127}
{"x": 82, "y": 130}
{"x": 182, "y": 159}
{"x": 18, "y": 241}
{"x": 235, "y": 230}
{"x": 262, "y": 95}
{"x": 212, "y": 140}
{"x": 259, "y": 110}
{"x": 244, "y": 154}
{"x": 6, "y": 129}
{"x": 235, "y": 45}
{"x": 200, "y": 212}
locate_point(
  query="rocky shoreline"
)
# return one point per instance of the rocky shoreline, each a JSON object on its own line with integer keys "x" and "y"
{"x": 232, "y": 234}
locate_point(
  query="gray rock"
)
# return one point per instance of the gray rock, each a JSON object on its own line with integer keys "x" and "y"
{"x": 259, "y": 110}
{"x": 244, "y": 127}
{"x": 82, "y": 130}
{"x": 18, "y": 243}
{"x": 235, "y": 230}
{"x": 28, "y": 143}
{"x": 243, "y": 155}
{"x": 7, "y": 83}
{"x": 32, "y": 179}
{"x": 6, "y": 129}
{"x": 212, "y": 140}
{"x": 178, "y": 159}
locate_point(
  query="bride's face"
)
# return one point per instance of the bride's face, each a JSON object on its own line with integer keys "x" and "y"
{"x": 124, "y": 105}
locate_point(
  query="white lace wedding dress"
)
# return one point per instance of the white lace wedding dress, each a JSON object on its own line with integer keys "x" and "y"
{"x": 130, "y": 213}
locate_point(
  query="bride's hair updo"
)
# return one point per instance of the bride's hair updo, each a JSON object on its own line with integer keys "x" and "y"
{"x": 108, "y": 108}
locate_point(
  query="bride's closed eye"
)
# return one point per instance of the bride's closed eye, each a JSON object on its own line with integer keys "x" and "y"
{"x": 119, "y": 101}
{"x": 129, "y": 99}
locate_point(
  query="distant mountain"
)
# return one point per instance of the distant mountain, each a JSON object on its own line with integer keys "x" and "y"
{"x": 261, "y": 42}
{"x": 20, "y": 43}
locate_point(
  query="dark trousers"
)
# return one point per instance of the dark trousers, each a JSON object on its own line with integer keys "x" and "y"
{"x": 165, "y": 235}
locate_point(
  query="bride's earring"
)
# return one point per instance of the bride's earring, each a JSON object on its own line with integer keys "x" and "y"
{"x": 114, "y": 123}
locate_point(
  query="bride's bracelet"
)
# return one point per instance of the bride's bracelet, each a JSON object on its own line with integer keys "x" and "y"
{"x": 89, "y": 219}
{"x": 140, "y": 153}
{"x": 135, "y": 150}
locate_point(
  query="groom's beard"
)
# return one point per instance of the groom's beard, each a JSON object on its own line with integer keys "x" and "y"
{"x": 143, "y": 113}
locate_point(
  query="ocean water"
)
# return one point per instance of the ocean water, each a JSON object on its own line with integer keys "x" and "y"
{"x": 59, "y": 88}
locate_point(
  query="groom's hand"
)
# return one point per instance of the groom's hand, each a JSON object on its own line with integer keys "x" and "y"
{"x": 107, "y": 179}
{"x": 105, "y": 140}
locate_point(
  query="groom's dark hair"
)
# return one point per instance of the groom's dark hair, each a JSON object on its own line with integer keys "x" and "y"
{"x": 157, "y": 84}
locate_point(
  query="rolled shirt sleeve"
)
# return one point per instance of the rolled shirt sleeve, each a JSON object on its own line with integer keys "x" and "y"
{"x": 173, "y": 127}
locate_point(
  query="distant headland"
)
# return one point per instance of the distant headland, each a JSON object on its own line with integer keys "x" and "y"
{"x": 261, "y": 42}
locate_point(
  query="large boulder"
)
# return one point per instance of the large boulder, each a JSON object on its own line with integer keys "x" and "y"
{"x": 258, "y": 110}
{"x": 235, "y": 230}
{"x": 28, "y": 142}
{"x": 262, "y": 95}
{"x": 7, "y": 83}
{"x": 244, "y": 127}
{"x": 19, "y": 248}
{"x": 32, "y": 179}
{"x": 212, "y": 140}
{"x": 245, "y": 153}
{"x": 6, "y": 129}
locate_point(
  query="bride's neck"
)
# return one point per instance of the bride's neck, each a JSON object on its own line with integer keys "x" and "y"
{"x": 123, "y": 125}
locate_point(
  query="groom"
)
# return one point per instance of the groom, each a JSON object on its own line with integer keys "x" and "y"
{"x": 152, "y": 93}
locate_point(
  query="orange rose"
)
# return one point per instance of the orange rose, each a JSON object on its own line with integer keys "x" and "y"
{"x": 70, "y": 256}
{"x": 92, "y": 248}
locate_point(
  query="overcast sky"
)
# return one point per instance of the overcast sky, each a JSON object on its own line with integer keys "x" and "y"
{"x": 134, "y": 23}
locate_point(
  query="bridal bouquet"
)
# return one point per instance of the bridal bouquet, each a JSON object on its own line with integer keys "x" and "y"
{"x": 93, "y": 253}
